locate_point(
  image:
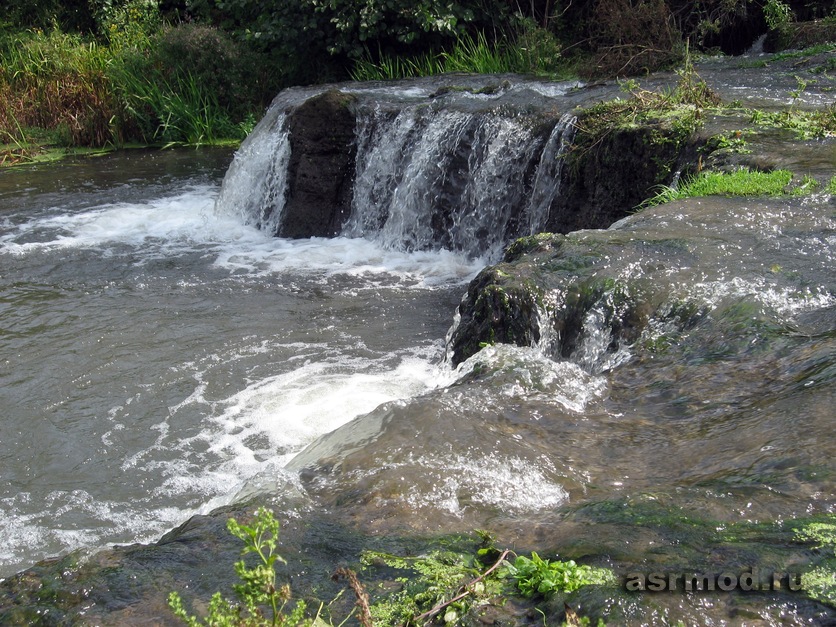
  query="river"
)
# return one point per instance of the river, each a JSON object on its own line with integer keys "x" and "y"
{"x": 163, "y": 357}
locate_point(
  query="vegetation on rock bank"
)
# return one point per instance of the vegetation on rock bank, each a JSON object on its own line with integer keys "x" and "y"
{"x": 107, "y": 73}
{"x": 461, "y": 580}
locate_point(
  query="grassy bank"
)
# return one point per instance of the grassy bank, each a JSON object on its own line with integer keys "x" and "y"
{"x": 145, "y": 83}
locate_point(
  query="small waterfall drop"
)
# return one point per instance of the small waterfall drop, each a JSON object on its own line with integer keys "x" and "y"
{"x": 547, "y": 181}
{"x": 255, "y": 185}
{"x": 442, "y": 179}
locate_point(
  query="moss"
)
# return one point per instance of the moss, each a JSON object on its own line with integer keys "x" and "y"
{"x": 532, "y": 243}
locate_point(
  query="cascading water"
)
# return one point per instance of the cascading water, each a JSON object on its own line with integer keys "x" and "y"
{"x": 549, "y": 170}
{"x": 441, "y": 179}
{"x": 426, "y": 178}
{"x": 256, "y": 183}
{"x": 677, "y": 400}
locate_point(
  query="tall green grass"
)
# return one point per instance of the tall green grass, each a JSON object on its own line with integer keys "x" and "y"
{"x": 57, "y": 81}
{"x": 534, "y": 51}
{"x": 180, "y": 85}
{"x": 172, "y": 110}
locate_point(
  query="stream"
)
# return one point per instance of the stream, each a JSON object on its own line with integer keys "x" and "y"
{"x": 162, "y": 357}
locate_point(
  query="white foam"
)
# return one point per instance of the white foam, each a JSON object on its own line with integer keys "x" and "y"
{"x": 784, "y": 301}
{"x": 73, "y": 519}
{"x": 509, "y": 483}
{"x": 158, "y": 225}
{"x": 523, "y": 372}
{"x": 358, "y": 257}
{"x": 186, "y": 222}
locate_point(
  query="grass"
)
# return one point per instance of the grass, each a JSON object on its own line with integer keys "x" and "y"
{"x": 173, "y": 110}
{"x": 61, "y": 90}
{"x": 536, "y": 51}
{"x": 793, "y": 54}
{"x": 56, "y": 81}
{"x": 741, "y": 182}
{"x": 467, "y": 55}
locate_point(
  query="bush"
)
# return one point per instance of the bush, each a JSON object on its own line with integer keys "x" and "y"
{"x": 230, "y": 70}
{"x": 191, "y": 84}
{"x": 633, "y": 38}
{"x": 314, "y": 39}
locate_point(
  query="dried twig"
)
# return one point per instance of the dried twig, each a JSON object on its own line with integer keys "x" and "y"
{"x": 359, "y": 592}
{"x": 467, "y": 590}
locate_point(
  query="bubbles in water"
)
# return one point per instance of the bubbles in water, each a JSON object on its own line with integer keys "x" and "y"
{"x": 528, "y": 373}
{"x": 510, "y": 484}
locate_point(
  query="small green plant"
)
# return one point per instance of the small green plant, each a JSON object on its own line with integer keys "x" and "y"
{"x": 820, "y": 582}
{"x": 796, "y": 93}
{"x": 806, "y": 125}
{"x": 258, "y": 587}
{"x": 831, "y": 186}
{"x": 535, "y": 575}
{"x": 807, "y": 185}
{"x": 734, "y": 142}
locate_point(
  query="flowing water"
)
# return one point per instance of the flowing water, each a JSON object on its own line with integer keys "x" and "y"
{"x": 162, "y": 356}
{"x": 157, "y": 355}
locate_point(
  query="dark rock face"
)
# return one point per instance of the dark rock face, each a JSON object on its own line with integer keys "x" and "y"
{"x": 321, "y": 166}
{"x": 548, "y": 285}
{"x": 604, "y": 182}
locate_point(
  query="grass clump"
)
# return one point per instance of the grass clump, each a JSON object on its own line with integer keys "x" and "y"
{"x": 534, "y": 51}
{"x": 57, "y": 81}
{"x": 140, "y": 81}
{"x": 742, "y": 182}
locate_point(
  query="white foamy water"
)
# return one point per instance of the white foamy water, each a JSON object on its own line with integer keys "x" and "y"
{"x": 525, "y": 372}
{"x": 188, "y": 221}
{"x": 510, "y": 484}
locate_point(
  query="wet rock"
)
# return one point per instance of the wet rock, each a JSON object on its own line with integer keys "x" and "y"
{"x": 543, "y": 293}
{"x": 606, "y": 177}
{"x": 321, "y": 166}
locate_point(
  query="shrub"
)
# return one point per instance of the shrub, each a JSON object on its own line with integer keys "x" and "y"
{"x": 230, "y": 70}
{"x": 633, "y": 38}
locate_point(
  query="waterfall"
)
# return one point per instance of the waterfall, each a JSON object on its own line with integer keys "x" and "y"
{"x": 549, "y": 170}
{"x": 440, "y": 179}
{"x": 425, "y": 177}
{"x": 255, "y": 185}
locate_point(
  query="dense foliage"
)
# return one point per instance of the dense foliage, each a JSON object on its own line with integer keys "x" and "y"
{"x": 99, "y": 72}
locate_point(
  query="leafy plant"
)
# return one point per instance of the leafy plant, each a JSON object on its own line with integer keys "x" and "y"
{"x": 805, "y": 124}
{"x": 535, "y": 575}
{"x": 258, "y": 587}
{"x": 776, "y": 14}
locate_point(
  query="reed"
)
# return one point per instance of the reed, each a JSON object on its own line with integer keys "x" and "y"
{"x": 56, "y": 81}
{"x": 171, "y": 110}
{"x": 468, "y": 54}
{"x": 84, "y": 93}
